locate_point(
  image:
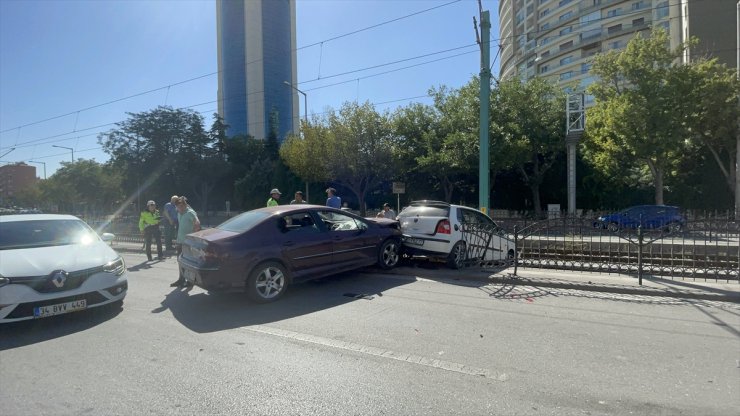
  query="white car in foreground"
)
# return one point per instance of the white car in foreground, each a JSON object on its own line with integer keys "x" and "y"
{"x": 55, "y": 264}
{"x": 454, "y": 233}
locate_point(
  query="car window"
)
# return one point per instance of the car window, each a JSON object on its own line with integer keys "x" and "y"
{"x": 44, "y": 233}
{"x": 243, "y": 222}
{"x": 471, "y": 216}
{"x": 335, "y": 221}
{"x": 425, "y": 211}
{"x": 299, "y": 222}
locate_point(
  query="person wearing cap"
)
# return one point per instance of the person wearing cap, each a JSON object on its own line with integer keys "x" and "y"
{"x": 170, "y": 225}
{"x": 274, "y": 196}
{"x": 332, "y": 199}
{"x": 149, "y": 225}
{"x": 298, "y": 198}
{"x": 387, "y": 212}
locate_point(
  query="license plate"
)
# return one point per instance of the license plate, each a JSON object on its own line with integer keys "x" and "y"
{"x": 49, "y": 310}
{"x": 414, "y": 241}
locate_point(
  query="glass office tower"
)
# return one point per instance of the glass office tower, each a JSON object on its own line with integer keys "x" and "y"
{"x": 256, "y": 56}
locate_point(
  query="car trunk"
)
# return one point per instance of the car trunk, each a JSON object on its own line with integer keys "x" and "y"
{"x": 422, "y": 219}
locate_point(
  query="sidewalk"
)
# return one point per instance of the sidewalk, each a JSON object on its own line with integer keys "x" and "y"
{"x": 560, "y": 279}
{"x": 588, "y": 281}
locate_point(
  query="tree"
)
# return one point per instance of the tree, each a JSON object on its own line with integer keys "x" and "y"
{"x": 83, "y": 186}
{"x": 528, "y": 128}
{"x": 713, "y": 113}
{"x": 357, "y": 149}
{"x": 641, "y": 109}
{"x": 163, "y": 151}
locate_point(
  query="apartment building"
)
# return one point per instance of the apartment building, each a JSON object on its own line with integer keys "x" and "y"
{"x": 557, "y": 39}
{"x": 14, "y": 178}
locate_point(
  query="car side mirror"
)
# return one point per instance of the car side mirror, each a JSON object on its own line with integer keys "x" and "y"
{"x": 107, "y": 237}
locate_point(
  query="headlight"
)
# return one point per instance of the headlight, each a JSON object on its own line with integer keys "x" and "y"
{"x": 116, "y": 267}
{"x": 4, "y": 281}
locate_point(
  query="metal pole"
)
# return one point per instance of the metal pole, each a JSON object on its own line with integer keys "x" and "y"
{"x": 305, "y": 118}
{"x": 43, "y": 163}
{"x": 737, "y": 134}
{"x": 68, "y": 148}
{"x": 485, "y": 95}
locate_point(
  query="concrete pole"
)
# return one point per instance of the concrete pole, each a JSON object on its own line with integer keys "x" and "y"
{"x": 570, "y": 144}
{"x": 485, "y": 95}
{"x": 737, "y": 135}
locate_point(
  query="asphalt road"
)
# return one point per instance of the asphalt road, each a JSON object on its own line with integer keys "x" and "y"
{"x": 406, "y": 347}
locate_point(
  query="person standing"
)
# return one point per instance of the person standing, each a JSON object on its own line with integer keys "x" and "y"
{"x": 274, "y": 197}
{"x": 333, "y": 200}
{"x": 387, "y": 212}
{"x": 298, "y": 198}
{"x": 188, "y": 223}
{"x": 170, "y": 224}
{"x": 149, "y": 225}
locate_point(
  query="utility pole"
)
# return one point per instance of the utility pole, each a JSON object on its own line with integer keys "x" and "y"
{"x": 484, "y": 41}
{"x": 575, "y": 123}
{"x": 737, "y": 133}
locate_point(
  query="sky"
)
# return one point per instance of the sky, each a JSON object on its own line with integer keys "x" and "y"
{"x": 71, "y": 69}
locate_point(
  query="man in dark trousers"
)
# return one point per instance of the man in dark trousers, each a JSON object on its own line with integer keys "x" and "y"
{"x": 149, "y": 225}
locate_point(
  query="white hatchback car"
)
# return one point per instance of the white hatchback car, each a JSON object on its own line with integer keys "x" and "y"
{"x": 55, "y": 264}
{"x": 454, "y": 233}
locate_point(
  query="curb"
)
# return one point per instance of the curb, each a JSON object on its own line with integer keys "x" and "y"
{"x": 733, "y": 297}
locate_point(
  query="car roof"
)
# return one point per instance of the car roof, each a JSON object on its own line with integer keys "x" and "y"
{"x": 36, "y": 217}
{"x": 429, "y": 202}
{"x": 281, "y": 209}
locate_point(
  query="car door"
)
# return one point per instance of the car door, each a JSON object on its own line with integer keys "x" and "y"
{"x": 352, "y": 245}
{"x": 479, "y": 233}
{"x": 306, "y": 246}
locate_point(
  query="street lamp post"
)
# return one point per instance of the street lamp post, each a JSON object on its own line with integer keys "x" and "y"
{"x": 305, "y": 111}
{"x": 305, "y": 100}
{"x": 42, "y": 163}
{"x": 68, "y": 148}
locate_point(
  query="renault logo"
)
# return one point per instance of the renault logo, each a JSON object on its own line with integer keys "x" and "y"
{"x": 59, "y": 277}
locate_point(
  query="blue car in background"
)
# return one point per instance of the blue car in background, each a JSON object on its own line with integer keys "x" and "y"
{"x": 651, "y": 217}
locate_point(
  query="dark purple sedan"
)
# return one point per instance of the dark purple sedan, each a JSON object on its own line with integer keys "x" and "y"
{"x": 265, "y": 250}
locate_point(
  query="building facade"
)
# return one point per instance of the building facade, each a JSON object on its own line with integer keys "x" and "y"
{"x": 557, "y": 39}
{"x": 15, "y": 178}
{"x": 256, "y": 43}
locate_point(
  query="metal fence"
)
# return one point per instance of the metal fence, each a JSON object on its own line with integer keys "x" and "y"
{"x": 699, "y": 249}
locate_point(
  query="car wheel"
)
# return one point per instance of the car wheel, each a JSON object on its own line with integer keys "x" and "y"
{"x": 613, "y": 227}
{"x": 389, "y": 254}
{"x": 674, "y": 227}
{"x": 267, "y": 282}
{"x": 457, "y": 256}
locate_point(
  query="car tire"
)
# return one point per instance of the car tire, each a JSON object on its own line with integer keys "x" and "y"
{"x": 389, "y": 254}
{"x": 458, "y": 255}
{"x": 268, "y": 282}
{"x": 613, "y": 227}
{"x": 674, "y": 227}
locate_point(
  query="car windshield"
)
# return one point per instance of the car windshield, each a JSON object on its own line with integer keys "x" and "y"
{"x": 425, "y": 211}
{"x": 44, "y": 233}
{"x": 243, "y": 222}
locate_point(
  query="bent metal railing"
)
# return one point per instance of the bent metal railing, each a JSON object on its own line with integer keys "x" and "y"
{"x": 699, "y": 249}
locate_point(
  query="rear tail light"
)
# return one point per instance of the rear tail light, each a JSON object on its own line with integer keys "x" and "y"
{"x": 443, "y": 227}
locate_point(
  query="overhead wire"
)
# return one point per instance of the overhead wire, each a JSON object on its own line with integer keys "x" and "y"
{"x": 500, "y": 44}
{"x": 216, "y": 72}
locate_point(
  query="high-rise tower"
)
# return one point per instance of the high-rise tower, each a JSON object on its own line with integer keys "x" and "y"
{"x": 557, "y": 39}
{"x": 256, "y": 56}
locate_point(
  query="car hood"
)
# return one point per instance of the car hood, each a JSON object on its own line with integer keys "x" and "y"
{"x": 41, "y": 261}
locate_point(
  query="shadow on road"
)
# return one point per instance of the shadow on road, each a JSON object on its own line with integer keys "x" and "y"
{"x": 22, "y": 333}
{"x": 205, "y": 312}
